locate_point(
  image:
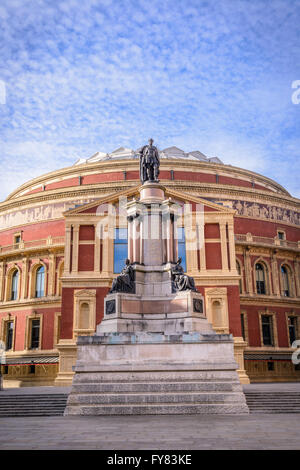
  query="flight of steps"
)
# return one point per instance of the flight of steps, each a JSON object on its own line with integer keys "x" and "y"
{"x": 137, "y": 395}
{"x": 273, "y": 402}
{"x": 32, "y": 404}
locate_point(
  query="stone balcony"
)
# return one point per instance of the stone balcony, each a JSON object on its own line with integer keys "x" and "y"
{"x": 32, "y": 245}
{"x": 249, "y": 239}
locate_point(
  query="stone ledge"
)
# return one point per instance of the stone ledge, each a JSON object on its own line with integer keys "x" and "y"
{"x": 151, "y": 338}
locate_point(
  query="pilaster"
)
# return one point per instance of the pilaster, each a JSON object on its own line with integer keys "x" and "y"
{"x": 75, "y": 248}
{"x": 224, "y": 246}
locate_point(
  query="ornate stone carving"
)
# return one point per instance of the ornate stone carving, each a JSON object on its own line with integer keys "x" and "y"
{"x": 125, "y": 281}
{"x": 266, "y": 212}
{"x": 180, "y": 280}
{"x": 149, "y": 163}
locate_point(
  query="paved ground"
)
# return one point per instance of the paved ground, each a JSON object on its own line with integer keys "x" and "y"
{"x": 152, "y": 432}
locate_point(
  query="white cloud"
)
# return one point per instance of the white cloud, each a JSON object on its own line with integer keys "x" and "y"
{"x": 88, "y": 76}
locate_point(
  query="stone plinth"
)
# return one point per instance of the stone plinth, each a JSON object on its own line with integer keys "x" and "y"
{"x": 147, "y": 373}
{"x": 172, "y": 314}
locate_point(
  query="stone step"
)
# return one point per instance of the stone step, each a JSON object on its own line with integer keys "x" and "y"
{"x": 125, "y": 387}
{"x": 163, "y": 398}
{"x": 32, "y": 405}
{"x": 273, "y": 402}
{"x": 24, "y": 414}
{"x": 157, "y": 376}
{"x": 149, "y": 409}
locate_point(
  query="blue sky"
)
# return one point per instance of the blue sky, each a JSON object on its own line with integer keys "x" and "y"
{"x": 94, "y": 75}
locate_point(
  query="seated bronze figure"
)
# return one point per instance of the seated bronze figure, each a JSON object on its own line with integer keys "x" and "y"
{"x": 180, "y": 280}
{"x": 125, "y": 281}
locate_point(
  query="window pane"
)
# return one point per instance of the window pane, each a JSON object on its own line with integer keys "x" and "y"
{"x": 243, "y": 325}
{"x": 120, "y": 249}
{"x": 181, "y": 247}
{"x": 9, "y": 334}
{"x": 260, "y": 279}
{"x": 14, "y": 287}
{"x": 35, "y": 333}
{"x": 285, "y": 281}
{"x": 267, "y": 330}
{"x": 40, "y": 278}
{"x": 292, "y": 329}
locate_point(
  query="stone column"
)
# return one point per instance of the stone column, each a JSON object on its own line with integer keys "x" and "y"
{"x": 98, "y": 235}
{"x": 274, "y": 266}
{"x": 2, "y": 279}
{"x": 248, "y": 271}
{"x": 141, "y": 239}
{"x": 153, "y": 252}
{"x": 297, "y": 276}
{"x": 168, "y": 231}
{"x": 67, "y": 250}
{"x": 136, "y": 239}
{"x": 24, "y": 280}
{"x": 52, "y": 271}
{"x": 224, "y": 246}
{"x": 130, "y": 238}
{"x": 175, "y": 240}
{"x": 106, "y": 259}
{"x": 231, "y": 247}
{"x": 75, "y": 248}
{"x": 201, "y": 247}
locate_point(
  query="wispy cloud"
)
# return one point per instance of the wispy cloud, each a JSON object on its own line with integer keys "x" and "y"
{"x": 87, "y": 76}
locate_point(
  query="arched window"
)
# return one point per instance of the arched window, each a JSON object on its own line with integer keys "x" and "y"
{"x": 238, "y": 268}
{"x": 40, "y": 282}
{"x": 260, "y": 279}
{"x": 14, "y": 285}
{"x": 285, "y": 281}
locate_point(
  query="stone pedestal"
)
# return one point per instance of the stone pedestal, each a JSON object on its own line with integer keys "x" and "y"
{"x": 148, "y": 373}
{"x": 154, "y": 351}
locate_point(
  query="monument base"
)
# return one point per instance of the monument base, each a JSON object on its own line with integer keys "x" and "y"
{"x": 152, "y": 373}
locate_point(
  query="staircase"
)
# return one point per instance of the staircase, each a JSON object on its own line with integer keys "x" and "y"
{"x": 273, "y": 402}
{"x": 32, "y": 405}
{"x": 138, "y": 394}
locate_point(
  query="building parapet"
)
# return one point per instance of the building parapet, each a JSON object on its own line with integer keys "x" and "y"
{"x": 32, "y": 244}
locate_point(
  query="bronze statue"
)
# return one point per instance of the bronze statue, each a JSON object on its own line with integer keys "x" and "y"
{"x": 180, "y": 280}
{"x": 125, "y": 281}
{"x": 149, "y": 163}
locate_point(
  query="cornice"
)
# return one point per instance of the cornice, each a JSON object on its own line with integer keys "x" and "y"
{"x": 269, "y": 301}
{"x": 34, "y": 303}
{"x": 84, "y": 169}
{"x": 206, "y": 190}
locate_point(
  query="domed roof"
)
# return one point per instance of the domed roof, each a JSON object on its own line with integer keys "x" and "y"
{"x": 170, "y": 152}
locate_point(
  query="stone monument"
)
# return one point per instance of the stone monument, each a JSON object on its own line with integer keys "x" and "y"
{"x": 154, "y": 351}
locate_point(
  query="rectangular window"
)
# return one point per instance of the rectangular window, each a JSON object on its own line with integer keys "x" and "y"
{"x": 9, "y": 335}
{"x": 280, "y": 235}
{"x": 120, "y": 249}
{"x": 5, "y": 370}
{"x": 270, "y": 365}
{"x": 32, "y": 369}
{"x": 243, "y": 326}
{"x": 35, "y": 334}
{"x": 292, "y": 322}
{"x": 181, "y": 247}
{"x": 266, "y": 321}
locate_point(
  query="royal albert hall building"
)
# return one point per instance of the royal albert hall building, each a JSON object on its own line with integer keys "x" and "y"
{"x": 57, "y": 265}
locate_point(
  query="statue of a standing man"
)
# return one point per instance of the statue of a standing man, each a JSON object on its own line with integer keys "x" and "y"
{"x": 149, "y": 163}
